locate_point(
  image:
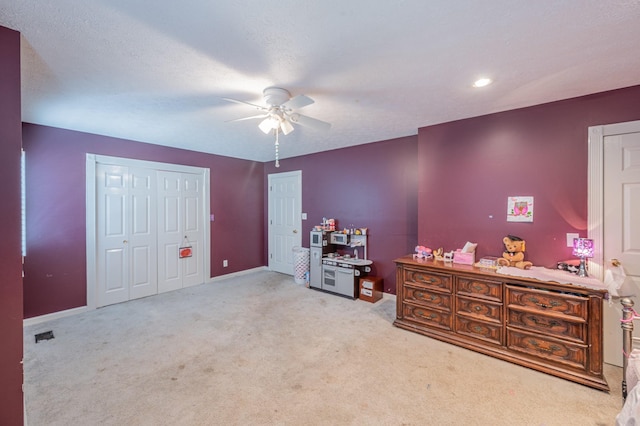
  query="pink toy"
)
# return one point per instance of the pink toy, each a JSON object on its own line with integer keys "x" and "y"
{"x": 422, "y": 252}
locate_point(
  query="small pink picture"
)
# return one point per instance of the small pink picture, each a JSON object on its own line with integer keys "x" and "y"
{"x": 520, "y": 209}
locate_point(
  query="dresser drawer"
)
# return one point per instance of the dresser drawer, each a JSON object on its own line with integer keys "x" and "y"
{"x": 479, "y": 308}
{"x": 426, "y": 316}
{"x": 570, "y": 354}
{"x": 556, "y": 326}
{"x": 491, "y": 290}
{"x": 428, "y": 279}
{"x": 489, "y": 332}
{"x": 422, "y": 296}
{"x": 544, "y": 301}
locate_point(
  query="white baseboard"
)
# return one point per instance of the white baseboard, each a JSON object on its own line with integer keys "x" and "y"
{"x": 239, "y": 273}
{"x": 53, "y": 315}
{"x": 61, "y": 314}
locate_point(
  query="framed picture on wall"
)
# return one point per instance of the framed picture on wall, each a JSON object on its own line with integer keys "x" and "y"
{"x": 520, "y": 209}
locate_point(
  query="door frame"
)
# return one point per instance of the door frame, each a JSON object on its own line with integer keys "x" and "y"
{"x": 595, "y": 230}
{"x": 90, "y": 202}
{"x": 297, "y": 174}
{"x": 595, "y": 181}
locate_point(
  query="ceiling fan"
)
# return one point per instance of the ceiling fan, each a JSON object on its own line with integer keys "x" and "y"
{"x": 279, "y": 113}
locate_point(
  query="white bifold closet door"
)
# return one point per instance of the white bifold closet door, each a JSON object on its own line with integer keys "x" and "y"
{"x": 126, "y": 233}
{"x": 143, "y": 217}
{"x": 179, "y": 225}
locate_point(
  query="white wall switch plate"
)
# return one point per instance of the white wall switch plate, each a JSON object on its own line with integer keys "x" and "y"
{"x": 304, "y": 216}
{"x": 570, "y": 238}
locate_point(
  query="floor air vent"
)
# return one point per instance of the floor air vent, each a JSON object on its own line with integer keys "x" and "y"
{"x": 47, "y": 335}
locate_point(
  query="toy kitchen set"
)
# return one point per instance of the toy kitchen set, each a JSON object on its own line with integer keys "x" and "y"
{"x": 337, "y": 258}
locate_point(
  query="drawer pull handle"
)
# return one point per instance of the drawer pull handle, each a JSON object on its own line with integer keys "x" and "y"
{"x": 477, "y": 308}
{"x": 421, "y": 295}
{"x": 550, "y": 350}
{"x": 477, "y": 288}
{"x": 431, "y": 317}
{"x": 552, "y": 303}
{"x": 548, "y": 324}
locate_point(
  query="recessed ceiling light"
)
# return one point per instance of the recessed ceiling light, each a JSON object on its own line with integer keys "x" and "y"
{"x": 481, "y": 82}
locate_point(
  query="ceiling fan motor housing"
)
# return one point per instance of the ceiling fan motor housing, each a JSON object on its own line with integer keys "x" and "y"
{"x": 275, "y": 96}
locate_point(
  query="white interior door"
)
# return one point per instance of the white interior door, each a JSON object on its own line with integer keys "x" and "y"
{"x": 621, "y": 223}
{"x": 170, "y": 235}
{"x": 285, "y": 219}
{"x": 129, "y": 203}
{"x": 112, "y": 257}
{"x": 180, "y": 224}
{"x": 126, "y": 260}
{"x": 143, "y": 249}
{"x": 193, "y": 229}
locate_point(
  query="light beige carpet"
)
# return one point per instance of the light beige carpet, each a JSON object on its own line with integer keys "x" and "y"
{"x": 261, "y": 350}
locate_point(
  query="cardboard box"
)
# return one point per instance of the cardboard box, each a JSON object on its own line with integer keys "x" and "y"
{"x": 371, "y": 289}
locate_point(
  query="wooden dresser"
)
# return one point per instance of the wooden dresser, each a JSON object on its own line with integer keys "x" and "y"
{"x": 550, "y": 327}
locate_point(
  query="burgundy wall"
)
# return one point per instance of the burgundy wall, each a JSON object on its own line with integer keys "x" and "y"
{"x": 468, "y": 168}
{"x": 11, "y": 410}
{"x": 373, "y": 186}
{"x": 55, "y": 265}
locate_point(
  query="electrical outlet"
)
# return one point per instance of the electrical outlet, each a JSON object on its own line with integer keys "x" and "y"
{"x": 225, "y": 263}
{"x": 570, "y": 237}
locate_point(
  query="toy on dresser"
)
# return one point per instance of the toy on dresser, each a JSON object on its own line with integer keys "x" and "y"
{"x": 422, "y": 252}
{"x": 513, "y": 255}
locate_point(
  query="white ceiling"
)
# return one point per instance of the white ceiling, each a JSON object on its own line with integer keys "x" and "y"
{"x": 155, "y": 71}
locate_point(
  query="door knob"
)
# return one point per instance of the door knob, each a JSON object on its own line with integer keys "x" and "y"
{"x": 124, "y": 241}
{"x": 615, "y": 262}
{"x": 295, "y": 231}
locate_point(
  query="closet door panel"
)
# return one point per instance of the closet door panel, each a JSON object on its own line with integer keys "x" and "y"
{"x": 193, "y": 267}
{"x": 112, "y": 256}
{"x": 170, "y": 236}
{"x": 142, "y": 236}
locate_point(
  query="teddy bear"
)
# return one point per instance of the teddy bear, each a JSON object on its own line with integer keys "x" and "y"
{"x": 513, "y": 255}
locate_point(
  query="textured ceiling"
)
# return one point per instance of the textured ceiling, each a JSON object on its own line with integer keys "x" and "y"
{"x": 155, "y": 71}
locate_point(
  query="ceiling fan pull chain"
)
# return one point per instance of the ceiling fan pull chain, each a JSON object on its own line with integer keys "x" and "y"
{"x": 277, "y": 147}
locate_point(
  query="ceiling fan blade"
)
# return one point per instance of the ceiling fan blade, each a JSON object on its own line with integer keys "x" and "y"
{"x": 314, "y": 123}
{"x": 298, "y": 102}
{"x": 260, "y": 107}
{"x": 248, "y": 118}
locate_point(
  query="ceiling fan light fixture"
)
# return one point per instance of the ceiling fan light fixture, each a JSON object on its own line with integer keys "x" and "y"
{"x": 268, "y": 124}
{"x": 286, "y": 127}
{"x": 279, "y": 116}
